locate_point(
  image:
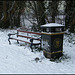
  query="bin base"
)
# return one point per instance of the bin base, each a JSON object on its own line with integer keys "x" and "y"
{"x": 55, "y": 55}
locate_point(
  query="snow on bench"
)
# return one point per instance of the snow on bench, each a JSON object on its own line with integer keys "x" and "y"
{"x": 27, "y": 39}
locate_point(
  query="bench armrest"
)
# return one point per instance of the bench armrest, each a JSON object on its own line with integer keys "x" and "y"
{"x": 11, "y": 34}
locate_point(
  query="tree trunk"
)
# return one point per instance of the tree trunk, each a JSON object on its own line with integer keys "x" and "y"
{"x": 72, "y": 25}
{"x": 70, "y": 19}
{"x": 53, "y": 17}
{"x": 41, "y": 13}
{"x": 53, "y": 9}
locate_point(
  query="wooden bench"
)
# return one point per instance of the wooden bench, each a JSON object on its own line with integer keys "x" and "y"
{"x": 31, "y": 42}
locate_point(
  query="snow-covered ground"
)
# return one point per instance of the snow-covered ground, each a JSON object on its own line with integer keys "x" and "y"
{"x": 18, "y": 59}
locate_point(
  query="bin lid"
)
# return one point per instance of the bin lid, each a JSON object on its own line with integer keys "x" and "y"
{"x": 52, "y": 25}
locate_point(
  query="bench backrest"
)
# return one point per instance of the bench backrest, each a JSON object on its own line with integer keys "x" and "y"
{"x": 29, "y": 32}
{"x": 39, "y": 39}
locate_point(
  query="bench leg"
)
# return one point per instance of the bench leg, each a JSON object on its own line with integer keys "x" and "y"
{"x": 9, "y": 41}
{"x": 40, "y": 46}
{"x": 17, "y": 41}
{"x": 31, "y": 47}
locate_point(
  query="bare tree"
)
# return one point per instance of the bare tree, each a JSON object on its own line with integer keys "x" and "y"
{"x": 37, "y": 10}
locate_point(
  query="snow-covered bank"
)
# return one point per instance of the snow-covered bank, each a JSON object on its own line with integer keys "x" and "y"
{"x": 16, "y": 59}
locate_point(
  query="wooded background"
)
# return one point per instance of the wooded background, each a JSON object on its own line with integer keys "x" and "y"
{"x": 38, "y": 13}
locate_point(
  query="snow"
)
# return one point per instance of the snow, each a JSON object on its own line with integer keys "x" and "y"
{"x": 52, "y": 25}
{"x": 18, "y": 59}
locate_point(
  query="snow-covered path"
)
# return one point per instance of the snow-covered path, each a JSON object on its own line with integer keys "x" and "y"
{"x": 16, "y": 59}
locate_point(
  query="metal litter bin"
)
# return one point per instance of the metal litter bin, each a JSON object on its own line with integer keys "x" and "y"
{"x": 52, "y": 40}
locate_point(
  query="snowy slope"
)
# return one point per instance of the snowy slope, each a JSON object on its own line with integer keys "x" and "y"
{"x": 16, "y": 59}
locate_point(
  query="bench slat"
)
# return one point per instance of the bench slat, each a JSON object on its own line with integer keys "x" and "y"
{"x": 20, "y": 40}
{"x": 26, "y": 41}
{"x": 28, "y": 37}
{"x": 29, "y": 32}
